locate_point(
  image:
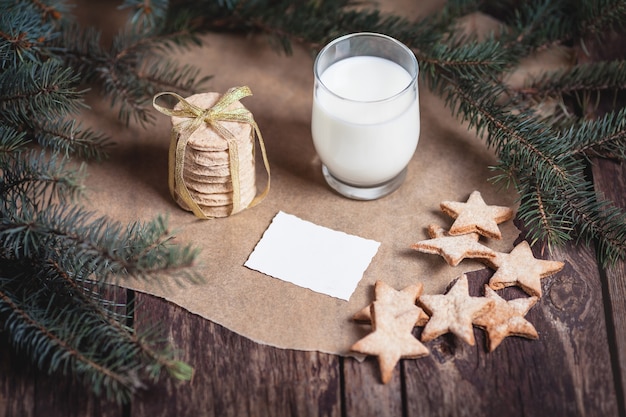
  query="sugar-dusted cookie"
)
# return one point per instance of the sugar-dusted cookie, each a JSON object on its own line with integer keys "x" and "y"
{"x": 521, "y": 268}
{"x": 476, "y": 216}
{"x": 453, "y": 312}
{"x": 506, "y": 318}
{"x": 453, "y": 248}
{"x": 397, "y": 301}
{"x": 391, "y": 339}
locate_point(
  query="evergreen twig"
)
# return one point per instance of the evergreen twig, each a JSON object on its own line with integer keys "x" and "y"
{"x": 58, "y": 259}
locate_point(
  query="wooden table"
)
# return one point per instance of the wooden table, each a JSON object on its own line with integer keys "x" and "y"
{"x": 576, "y": 368}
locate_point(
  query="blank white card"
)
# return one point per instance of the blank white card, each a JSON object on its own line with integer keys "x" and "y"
{"x": 311, "y": 256}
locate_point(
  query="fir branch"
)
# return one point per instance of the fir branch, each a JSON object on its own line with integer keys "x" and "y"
{"x": 23, "y": 36}
{"x": 604, "y": 137}
{"x": 598, "y": 221}
{"x": 69, "y": 138}
{"x": 519, "y": 138}
{"x": 37, "y": 328}
{"x": 121, "y": 75}
{"x": 50, "y": 11}
{"x": 42, "y": 91}
{"x": 62, "y": 271}
{"x": 81, "y": 49}
{"x": 108, "y": 249}
{"x": 543, "y": 224}
{"x": 538, "y": 155}
{"x": 30, "y": 179}
{"x": 456, "y": 9}
{"x": 89, "y": 293}
{"x": 163, "y": 74}
{"x": 129, "y": 72}
{"x": 146, "y": 14}
{"x": 11, "y": 141}
{"x": 540, "y": 24}
{"x": 598, "y": 17}
{"x": 458, "y": 57}
{"x": 596, "y": 77}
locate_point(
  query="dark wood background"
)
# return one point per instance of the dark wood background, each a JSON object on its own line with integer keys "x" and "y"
{"x": 577, "y": 367}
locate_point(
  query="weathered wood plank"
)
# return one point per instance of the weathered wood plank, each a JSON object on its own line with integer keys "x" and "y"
{"x": 365, "y": 395}
{"x": 26, "y": 391}
{"x": 63, "y": 397}
{"x": 17, "y": 384}
{"x": 235, "y": 376}
{"x": 566, "y": 372}
{"x": 610, "y": 179}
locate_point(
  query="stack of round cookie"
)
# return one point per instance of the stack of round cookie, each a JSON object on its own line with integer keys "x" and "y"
{"x": 207, "y": 169}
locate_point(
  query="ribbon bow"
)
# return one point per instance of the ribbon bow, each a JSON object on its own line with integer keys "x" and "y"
{"x": 213, "y": 116}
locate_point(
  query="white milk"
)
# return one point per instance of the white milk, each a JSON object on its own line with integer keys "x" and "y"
{"x": 362, "y": 133}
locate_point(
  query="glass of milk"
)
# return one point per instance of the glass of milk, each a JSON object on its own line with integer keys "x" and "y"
{"x": 365, "y": 122}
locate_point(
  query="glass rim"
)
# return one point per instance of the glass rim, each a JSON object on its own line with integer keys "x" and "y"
{"x": 372, "y": 35}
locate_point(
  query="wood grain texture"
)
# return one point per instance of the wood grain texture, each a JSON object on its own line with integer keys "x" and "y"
{"x": 610, "y": 179}
{"x": 566, "y": 372}
{"x": 235, "y": 376}
{"x": 365, "y": 395}
{"x": 17, "y": 387}
{"x": 26, "y": 391}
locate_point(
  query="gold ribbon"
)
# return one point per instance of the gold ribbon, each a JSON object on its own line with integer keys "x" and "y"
{"x": 195, "y": 117}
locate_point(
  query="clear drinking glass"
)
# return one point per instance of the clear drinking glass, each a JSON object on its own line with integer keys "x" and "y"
{"x": 365, "y": 122}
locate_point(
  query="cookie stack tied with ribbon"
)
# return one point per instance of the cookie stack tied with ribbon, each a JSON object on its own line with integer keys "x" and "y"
{"x": 212, "y": 153}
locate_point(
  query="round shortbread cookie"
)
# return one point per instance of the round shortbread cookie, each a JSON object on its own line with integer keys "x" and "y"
{"x": 219, "y": 199}
{"x": 205, "y": 179}
{"x": 206, "y": 158}
{"x": 207, "y": 166}
{"x": 217, "y": 208}
{"x": 211, "y": 158}
{"x": 205, "y": 138}
{"x": 209, "y": 211}
{"x": 210, "y": 188}
{"x": 246, "y": 179}
{"x": 246, "y": 165}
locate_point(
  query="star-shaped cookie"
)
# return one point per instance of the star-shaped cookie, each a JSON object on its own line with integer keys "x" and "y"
{"x": 453, "y": 312}
{"x": 397, "y": 301}
{"x": 476, "y": 216}
{"x": 521, "y": 268}
{"x": 506, "y": 319}
{"x": 453, "y": 248}
{"x": 391, "y": 340}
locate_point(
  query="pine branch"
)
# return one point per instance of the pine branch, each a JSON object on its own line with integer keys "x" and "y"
{"x": 540, "y": 24}
{"x": 146, "y": 14}
{"x": 163, "y": 74}
{"x": 55, "y": 311}
{"x": 543, "y": 161}
{"x": 139, "y": 251}
{"x": 458, "y": 57}
{"x": 46, "y": 90}
{"x": 37, "y": 329}
{"x": 69, "y": 138}
{"x": 600, "y": 16}
{"x": 30, "y": 180}
{"x": 593, "y": 76}
{"x": 544, "y": 225}
{"x": 23, "y": 36}
{"x": 89, "y": 292}
{"x": 57, "y": 258}
{"x": 604, "y": 137}
{"x": 11, "y": 141}
{"x": 583, "y": 84}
